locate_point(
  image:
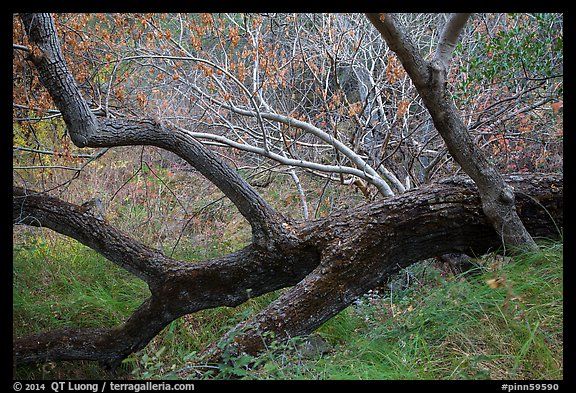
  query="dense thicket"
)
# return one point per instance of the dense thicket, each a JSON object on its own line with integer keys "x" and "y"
{"x": 326, "y": 97}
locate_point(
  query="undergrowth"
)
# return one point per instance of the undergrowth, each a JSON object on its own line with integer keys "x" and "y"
{"x": 501, "y": 320}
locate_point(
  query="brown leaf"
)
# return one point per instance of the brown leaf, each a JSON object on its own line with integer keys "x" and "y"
{"x": 495, "y": 282}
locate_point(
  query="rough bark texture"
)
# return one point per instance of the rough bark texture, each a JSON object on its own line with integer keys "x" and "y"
{"x": 430, "y": 80}
{"x": 87, "y": 131}
{"x": 362, "y": 247}
{"x": 329, "y": 263}
{"x": 54, "y": 75}
{"x": 177, "y": 287}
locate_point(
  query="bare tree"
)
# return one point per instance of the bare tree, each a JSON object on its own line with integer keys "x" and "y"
{"x": 430, "y": 80}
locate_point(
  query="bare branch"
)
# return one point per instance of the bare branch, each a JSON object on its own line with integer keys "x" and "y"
{"x": 86, "y": 131}
{"x": 58, "y": 153}
{"x": 21, "y": 47}
{"x": 449, "y": 38}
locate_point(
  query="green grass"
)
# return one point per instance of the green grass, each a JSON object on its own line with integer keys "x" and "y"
{"x": 457, "y": 328}
{"x": 440, "y": 327}
{"x": 68, "y": 284}
{"x": 58, "y": 283}
{"x": 444, "y": 328}
{"x": 447, "y": 327}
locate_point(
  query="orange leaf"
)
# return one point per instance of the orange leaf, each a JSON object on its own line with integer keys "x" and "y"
{"x": 556, "y": 106}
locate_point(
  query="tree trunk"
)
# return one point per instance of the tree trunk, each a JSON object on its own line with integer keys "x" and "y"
{"x": 429, "y": 78}
{"x": 369, "y": 244}
{"x": 328, "y": 264}
{"x": 87, "y": 131}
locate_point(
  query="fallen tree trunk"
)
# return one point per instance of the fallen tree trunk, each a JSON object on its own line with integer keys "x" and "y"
{"x": 430, "y": 79}
{"x": 327, "y": 263}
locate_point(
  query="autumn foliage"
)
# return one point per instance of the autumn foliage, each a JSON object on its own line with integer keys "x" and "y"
{"x": 328, "y": 70}
{"x": 245, "y": 99}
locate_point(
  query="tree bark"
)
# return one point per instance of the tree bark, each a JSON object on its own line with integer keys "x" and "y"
{"x": 46, "y": 55}
{"x": 87, "y": 131}
{"x": 327, "y": 263}
{"x": 367, "y": 245}
{"x": 330, "y": 262}
{"x": 429, "y": 78}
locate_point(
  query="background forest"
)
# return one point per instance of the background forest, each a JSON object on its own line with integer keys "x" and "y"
{"x": 335, "y": 74}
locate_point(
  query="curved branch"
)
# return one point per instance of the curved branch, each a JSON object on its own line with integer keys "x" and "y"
{"x": 39, "y": 209}
{"x": 56, "y": 77}
{"x": 86, "y": 131}
{"x": 331, "y": 262}
{"x": 282, "y": 159}
{"x": 266, "y": 222}
{"x": 177, "y": 287}
{"x": 107, "y": 346}
{"x": 370, "y": 174}
{"x": 370, "y": 243}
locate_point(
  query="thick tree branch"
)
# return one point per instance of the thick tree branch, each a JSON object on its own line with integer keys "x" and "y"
{"x": 332, "y": 261}
{"x": 381, "y": 238}
{"x": 430, "y": 81}
{"x": 327, "y": 262}
{"x": 86, "y": 131}
{"x": 56, "y": 77}
{"x": 449, "y": 38}
{"x": 38, "y": 209}
{"x": 401, "y": 44}
{"x": 177, "y": 287}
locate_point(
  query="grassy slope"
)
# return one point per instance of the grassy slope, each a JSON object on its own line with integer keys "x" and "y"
{"x": 455, "y": 328}
{"x": 439, "y": 327}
